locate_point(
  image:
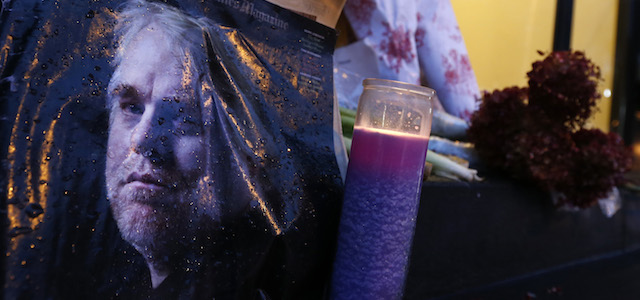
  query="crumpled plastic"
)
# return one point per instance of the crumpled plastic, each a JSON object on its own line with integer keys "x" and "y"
{"x": 609, "y": 205}
{"x": 274, "y": 147}
{"x": 414, "y": 38}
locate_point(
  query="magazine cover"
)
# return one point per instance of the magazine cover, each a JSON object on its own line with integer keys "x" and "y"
{"x": 166, "y": 150}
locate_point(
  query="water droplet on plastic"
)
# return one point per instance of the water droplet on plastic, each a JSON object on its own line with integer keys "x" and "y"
{"x": 33, "y": 210}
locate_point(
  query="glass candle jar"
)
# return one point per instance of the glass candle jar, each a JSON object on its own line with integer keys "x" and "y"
{"x": 382, "y": 190}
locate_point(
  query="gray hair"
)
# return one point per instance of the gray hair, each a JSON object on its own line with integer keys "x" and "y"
{"x": 184, "y": 33}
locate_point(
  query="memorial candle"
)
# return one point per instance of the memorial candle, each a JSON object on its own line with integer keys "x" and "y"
{"x": 381, "y": 198}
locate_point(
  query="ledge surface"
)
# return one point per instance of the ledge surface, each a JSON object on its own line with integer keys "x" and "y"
{"x": 475, "y": 239}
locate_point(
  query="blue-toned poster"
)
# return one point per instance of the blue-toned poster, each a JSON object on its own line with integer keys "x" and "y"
{"x": 166, "y": 150}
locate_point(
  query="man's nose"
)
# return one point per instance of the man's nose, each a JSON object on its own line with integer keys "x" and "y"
{"x": 153, "y": 137}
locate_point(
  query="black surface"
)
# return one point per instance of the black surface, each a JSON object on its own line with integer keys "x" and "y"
{"x": 497, "y": 237}
{"x": 626, "y": 83}
{"x": 608, "y": 277}
{"x": 562, "y": 30}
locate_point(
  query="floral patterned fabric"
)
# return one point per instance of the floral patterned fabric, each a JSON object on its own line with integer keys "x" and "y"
{"x": 418, "y": 37}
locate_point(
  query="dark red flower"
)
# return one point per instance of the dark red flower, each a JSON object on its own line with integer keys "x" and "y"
{"x": 600, "y": 161}
{"x": 563, "y": 87}
{"x": 536, "y": 133}
{"x": 497, "y": 120}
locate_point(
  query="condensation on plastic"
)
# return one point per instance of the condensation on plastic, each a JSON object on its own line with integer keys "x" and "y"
{"x": 270, "y": 142}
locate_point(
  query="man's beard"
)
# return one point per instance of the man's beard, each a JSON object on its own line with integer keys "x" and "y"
{"x": 157, "y": 224}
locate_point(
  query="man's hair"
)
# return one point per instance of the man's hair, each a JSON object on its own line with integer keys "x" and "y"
{"x": 184, "y": 33}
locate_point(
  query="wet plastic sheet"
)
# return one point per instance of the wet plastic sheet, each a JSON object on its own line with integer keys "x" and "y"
{"x": 264, "y": 188}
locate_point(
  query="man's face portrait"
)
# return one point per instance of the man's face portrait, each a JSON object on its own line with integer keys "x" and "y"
{"x": 167, "y": 150}
{"x": 156, "y": 149}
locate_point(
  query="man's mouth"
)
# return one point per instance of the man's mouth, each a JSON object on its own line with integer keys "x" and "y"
{"x": 147, "y": 181}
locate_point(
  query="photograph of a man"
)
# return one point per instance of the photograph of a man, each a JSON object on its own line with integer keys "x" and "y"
{"x": 157, "y": 157}
{"x": 181, "y": 153}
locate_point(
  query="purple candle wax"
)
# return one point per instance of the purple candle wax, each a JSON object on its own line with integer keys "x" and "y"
{"x": 378, "y": 214}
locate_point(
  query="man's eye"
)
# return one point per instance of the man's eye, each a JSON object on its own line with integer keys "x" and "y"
{"x": 132, "y": 108}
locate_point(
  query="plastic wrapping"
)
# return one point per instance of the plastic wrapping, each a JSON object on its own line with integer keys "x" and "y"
{"x": 609, "y": 205}
{"x": 223, "y": 141}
